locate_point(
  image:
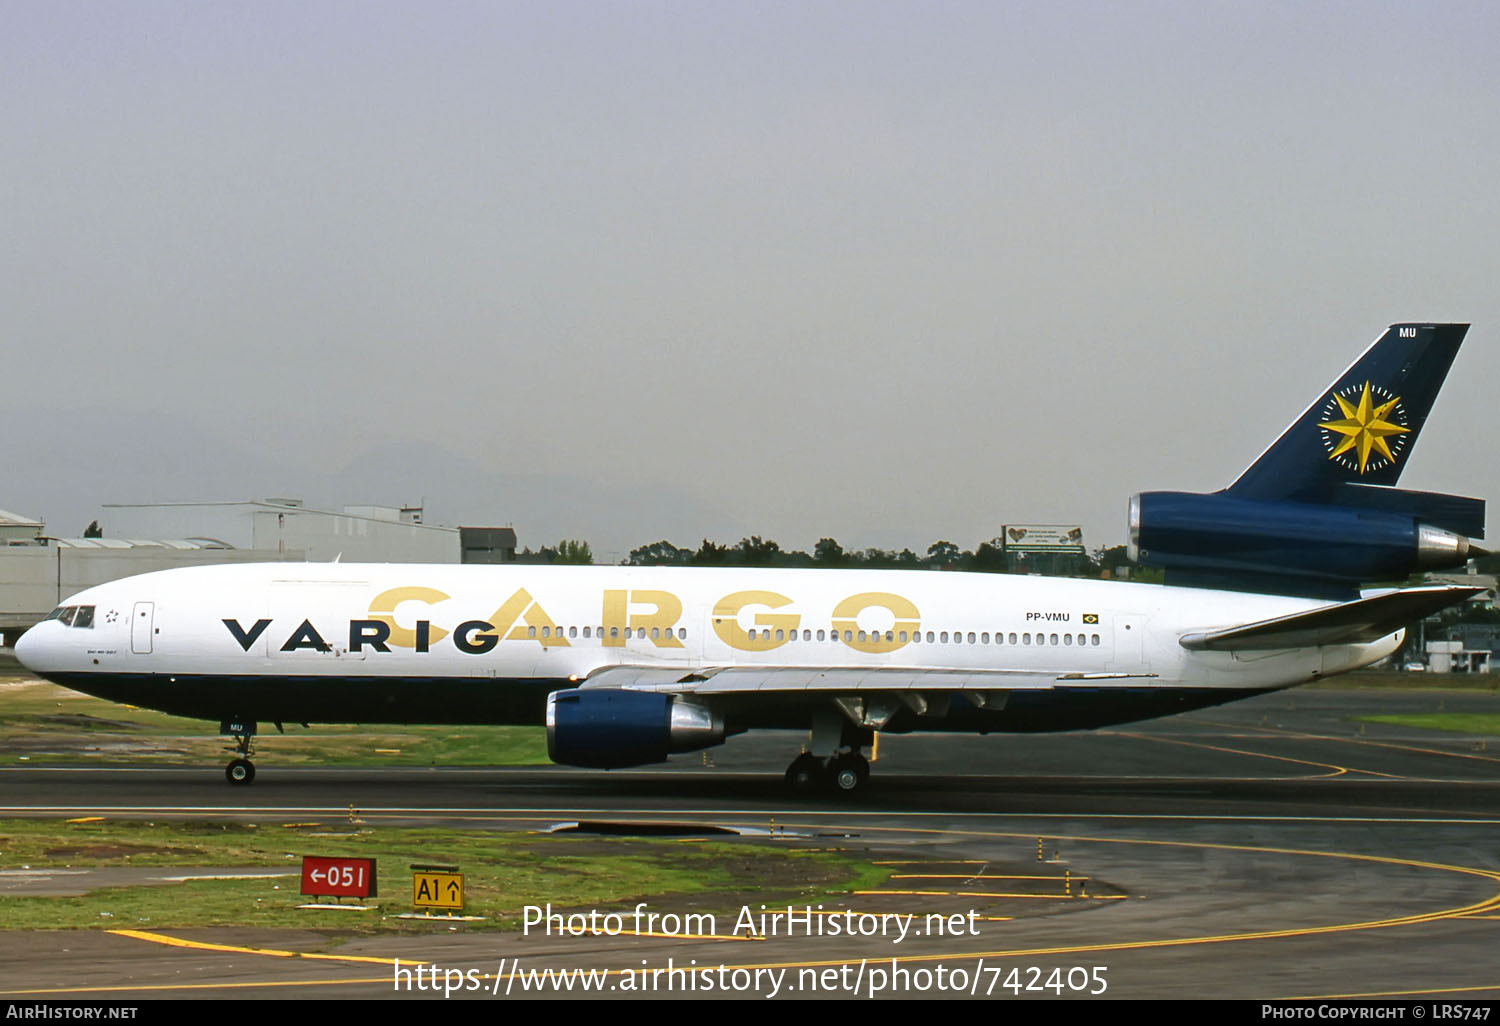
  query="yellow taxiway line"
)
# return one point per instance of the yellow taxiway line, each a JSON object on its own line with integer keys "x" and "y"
{"x": 1474, "y": 909}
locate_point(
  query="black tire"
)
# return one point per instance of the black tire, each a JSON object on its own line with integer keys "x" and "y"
{"x": 239, "y": 772}
{"x": 805, "y": 773}
{"x": 848, "y": 775}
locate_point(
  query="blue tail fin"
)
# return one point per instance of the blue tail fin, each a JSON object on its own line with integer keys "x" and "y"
{"x": 1362, "y": 429}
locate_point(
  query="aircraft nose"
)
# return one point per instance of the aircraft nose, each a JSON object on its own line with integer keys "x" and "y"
{"x": 26, "y": 645}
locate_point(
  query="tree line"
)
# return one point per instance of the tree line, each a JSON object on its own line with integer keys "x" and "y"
{"x": 988, "y": 557}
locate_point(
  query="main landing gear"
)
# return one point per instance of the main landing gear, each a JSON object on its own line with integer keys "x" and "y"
{"x": 843, "y": 773}
{"x": 836, "y": 763}
{"x": 241, "y": 770}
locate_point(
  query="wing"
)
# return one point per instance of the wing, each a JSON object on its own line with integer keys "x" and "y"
{"x": 741, "y": 680}
{"x": 868, "y": 696}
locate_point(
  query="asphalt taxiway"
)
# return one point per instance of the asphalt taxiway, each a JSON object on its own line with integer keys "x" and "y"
{"x": 1272, "y": 848}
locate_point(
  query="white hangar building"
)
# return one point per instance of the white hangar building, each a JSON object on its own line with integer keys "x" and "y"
{"x": 37, "y": 571}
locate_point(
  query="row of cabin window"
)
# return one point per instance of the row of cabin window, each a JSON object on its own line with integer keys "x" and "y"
{"x": 598, "y": 632}
{"x": 934, "y": 637}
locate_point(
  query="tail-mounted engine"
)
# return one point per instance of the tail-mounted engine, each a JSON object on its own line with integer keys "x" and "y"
{"x": 1221, "y": 540}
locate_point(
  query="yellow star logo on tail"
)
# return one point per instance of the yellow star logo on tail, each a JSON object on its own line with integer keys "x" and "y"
{"x": 1364, "y": 428}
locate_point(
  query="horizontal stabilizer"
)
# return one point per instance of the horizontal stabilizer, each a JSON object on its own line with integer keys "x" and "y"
{"x": 1348, "y": 623}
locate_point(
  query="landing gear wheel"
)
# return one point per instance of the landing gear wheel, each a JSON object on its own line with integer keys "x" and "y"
{"x": 849, "y": 774}
{"x": 239, "y": 771}
{"x": 804, "y": 774}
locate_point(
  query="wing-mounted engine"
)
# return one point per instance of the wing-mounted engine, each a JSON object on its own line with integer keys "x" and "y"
{"x": 606, "y": 728}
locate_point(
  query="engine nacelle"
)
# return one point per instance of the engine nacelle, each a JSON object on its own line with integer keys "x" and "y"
{"x": 612, "y": 729}
{"x": 1221, "y": 535}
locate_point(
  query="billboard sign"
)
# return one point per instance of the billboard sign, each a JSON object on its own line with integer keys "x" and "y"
{"x": 1063, "y": 538}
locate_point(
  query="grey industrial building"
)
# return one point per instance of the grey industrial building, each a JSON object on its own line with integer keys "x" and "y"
{"x": 37, "y": 571}
{"x": 18, "y": 530}
{"x": 292, "y": 530}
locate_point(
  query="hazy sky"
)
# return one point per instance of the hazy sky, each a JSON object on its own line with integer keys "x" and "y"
{"x": 883, "y": 271}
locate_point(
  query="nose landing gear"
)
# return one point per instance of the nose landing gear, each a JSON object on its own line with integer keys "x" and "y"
{"x": 241, "y": 770}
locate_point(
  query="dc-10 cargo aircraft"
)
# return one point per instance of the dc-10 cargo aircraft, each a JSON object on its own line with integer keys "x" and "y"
{"x": 627, "y": 665}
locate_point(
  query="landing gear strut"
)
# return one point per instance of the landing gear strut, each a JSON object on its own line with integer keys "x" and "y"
{"x": 241, "y": 770}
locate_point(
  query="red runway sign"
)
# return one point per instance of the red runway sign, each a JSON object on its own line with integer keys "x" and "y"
{"x": 338, "y": 878}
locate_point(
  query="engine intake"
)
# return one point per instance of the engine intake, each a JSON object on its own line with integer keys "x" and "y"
{"x": 615, "y": 728}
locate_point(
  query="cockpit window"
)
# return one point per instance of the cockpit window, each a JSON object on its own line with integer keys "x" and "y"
{"x": 73, "y": 616}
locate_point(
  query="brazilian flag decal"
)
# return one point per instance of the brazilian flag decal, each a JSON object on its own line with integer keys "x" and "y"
{"x": 1090, "y": 617}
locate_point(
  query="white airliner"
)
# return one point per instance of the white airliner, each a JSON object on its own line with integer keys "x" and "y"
{"x": 626, "y": 665}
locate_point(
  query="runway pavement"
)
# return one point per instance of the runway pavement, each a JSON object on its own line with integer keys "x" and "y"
{"x": 1267, "y": 849}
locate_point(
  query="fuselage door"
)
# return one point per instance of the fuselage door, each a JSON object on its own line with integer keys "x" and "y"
{"x": 142, "y": 621}
{"x": 1130, "y": 649}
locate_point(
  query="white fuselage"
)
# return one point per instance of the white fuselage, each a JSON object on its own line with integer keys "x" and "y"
{"x": 209, "y": 627}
